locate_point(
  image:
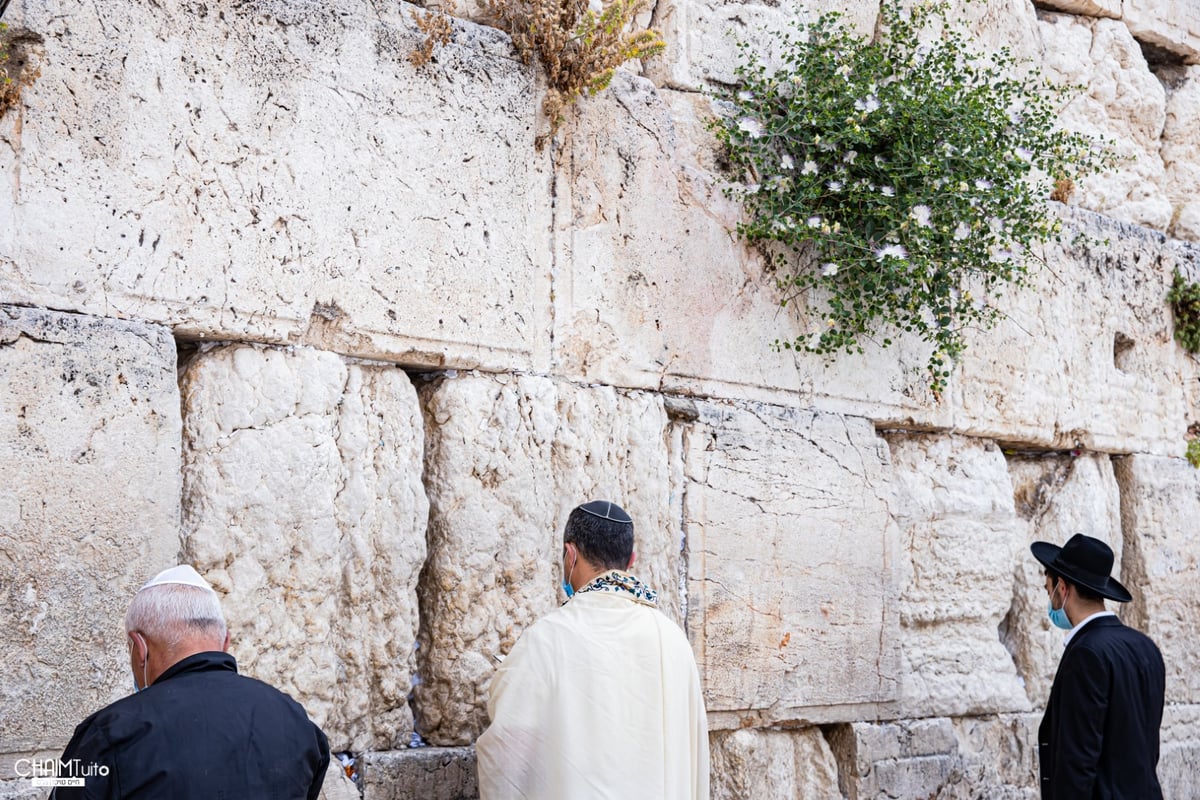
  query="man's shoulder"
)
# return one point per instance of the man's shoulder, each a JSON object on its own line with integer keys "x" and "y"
{"x": 1108, "y": 633}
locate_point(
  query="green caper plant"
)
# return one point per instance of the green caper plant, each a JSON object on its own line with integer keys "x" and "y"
{"x": 1184, "y": 297}
{"x": 901, "y": 185}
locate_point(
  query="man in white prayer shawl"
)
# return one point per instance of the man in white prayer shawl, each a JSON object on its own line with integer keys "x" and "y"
{"x": 600, "y": 698}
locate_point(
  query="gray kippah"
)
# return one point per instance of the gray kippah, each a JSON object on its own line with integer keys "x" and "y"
{"x": 606, "y": 510}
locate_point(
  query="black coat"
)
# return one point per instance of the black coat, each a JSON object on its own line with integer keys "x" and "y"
{"x": 1099, "y": 737}
{"x": 200, "y": 732}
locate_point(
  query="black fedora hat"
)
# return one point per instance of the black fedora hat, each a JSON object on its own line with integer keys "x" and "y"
{"x": 1085, "y": 561}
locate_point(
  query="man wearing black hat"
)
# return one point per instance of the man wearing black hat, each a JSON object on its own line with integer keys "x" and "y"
{"x": 600, "y": 698}
{"x": 1099, "y": 736}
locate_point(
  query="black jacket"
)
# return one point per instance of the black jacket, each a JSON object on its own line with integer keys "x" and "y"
{"x": 1099, "y": 737}
{"x": 201, "y": 732}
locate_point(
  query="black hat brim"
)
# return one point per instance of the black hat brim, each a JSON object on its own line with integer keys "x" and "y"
{"x": 1110, "y": 588}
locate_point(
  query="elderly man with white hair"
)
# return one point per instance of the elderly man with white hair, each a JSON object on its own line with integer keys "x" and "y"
{"x": 194, "y": 727}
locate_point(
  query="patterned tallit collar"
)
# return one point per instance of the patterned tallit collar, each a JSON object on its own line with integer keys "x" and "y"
{"x": 618, "y": 582}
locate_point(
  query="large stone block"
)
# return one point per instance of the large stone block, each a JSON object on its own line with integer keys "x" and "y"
{"x": 507, "y": 458}
{"x": 1056, "y": 496}
{"x": 939, "y": 759}
{"x": 89, "y": 509}
{"x": 959, "y": 538}
{"x": 1084, "y": 357}
{"x": 631, "y": 311}
{"x": 1091, "y": 8}
{"x": 428, "y": 773}
{"x": 1122, "y": 102}
{"x": 1179, "y": 741}
{"x": 1181, "y": 149}
{"x": 282, "y": 173}
{"x": 1160, "y": 503}
{"x": 791, "y": 553}
{"x": 303, "y": 506}
{"x": 766, "y": 765}
{"x": 703, "y": 35}
{"x": 1173, "y": 25}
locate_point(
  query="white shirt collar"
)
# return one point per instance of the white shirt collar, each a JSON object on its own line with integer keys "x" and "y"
{"x": 1071, "y": 633}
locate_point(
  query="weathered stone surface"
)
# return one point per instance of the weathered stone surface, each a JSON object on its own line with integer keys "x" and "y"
{"x": 1123, "y": 102}
{"x": 89, "y": 509}
{"x": 702, "y": 35}
{"x": 1084, "y": 358}
{"x": 767, "y": 765}
{"x": 1181, "y": 149}
{"x": 959, "y": 536}
{"x": 281, "y": 172}
{"x": 428, "y": 773}
{"x": 1160, "y": 503}
{"x": 16, "y": 770}
{"x": 1179, "y": 741}
{"x": 303, "y": 506}
{"x": 1056, "y": 496}
{"x": 631, "y": 311}
{"x": 507, "y": 458}
{"x": 1091, "y": 8}
{"x": 1173, "y": 25}
{"x": 791, "y": 552}
{"x": 992, "y": 757}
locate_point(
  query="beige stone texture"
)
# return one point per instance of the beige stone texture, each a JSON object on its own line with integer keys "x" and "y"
{"x": 1090, "y": 8}
{"x": 1160, "y": 503}
{"x": 89, "y": 510}
{"x": 1056, "y": 496}
{"x": 426, "y": 773}
{"x": 1181, "y": 149}
{"x": 791, "y": 554}
{"x": 959, "y": 538}
{"x": 939, "y": 759}
{"x": 507, "y": 458}
{"x": 279, "y": 171}
{"x": 753, "y": 764}
{"x": 1084, "y": 358}
{"x": 661, "y": 295}
{"x": 1173, "y": 25}
{"x": 303, "y": 506}
{"x": 703, "y": 35}
{"x": 1122, "y": 102}
{"x": 1179, "y": 741}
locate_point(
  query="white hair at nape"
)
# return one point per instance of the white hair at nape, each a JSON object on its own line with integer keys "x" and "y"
{"x": 172, "y": 612}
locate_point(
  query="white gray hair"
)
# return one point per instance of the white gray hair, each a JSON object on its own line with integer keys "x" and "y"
{"x": 172, "y": 612}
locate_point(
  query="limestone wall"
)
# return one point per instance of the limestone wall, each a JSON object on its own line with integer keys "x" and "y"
{"x": 329, "y": 327}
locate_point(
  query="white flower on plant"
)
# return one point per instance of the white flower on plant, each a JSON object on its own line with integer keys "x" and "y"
{"x": 867, "y": 104}
{"x": 751, "y": 127}
{"x": 961, "y": 231}
{"x": 745, "y": 97}
{"x": 844, "y": 70}
{"x": 995, "y": 224}
{"x": 887, "y": 191}
{"x": 595, "y": 6}
{"x": 835, "y": 186}
{"x": 983, "y": 184}
{"x": 829, "y": 270}
{"x": 896, "y": 251}
{"x": 920, "y": 215}
{"x": 810, "y": 168}
{"x": 850, "y": 156}
{"x": 786, "y": 162}
{"x": 814, "y": 222}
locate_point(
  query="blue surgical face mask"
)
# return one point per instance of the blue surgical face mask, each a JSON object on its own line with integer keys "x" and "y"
{"x": 1058, "y": 616}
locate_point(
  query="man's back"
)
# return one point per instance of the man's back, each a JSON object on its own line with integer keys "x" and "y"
{"x": 201, "y": 731}
{"x": 599, "y": 699}
{"x": 1099, "y": 737}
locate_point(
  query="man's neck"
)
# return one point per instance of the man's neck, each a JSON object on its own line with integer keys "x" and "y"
{"x": 1083, "y": 609}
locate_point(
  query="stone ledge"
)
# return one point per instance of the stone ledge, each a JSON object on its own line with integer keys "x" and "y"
{"x": 429, "y": 773}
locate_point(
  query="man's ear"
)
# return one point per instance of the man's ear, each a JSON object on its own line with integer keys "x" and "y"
{"x": 225, "y": 645}
{"x": 139, "y": 644}
{"x": 632, "y": 558}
